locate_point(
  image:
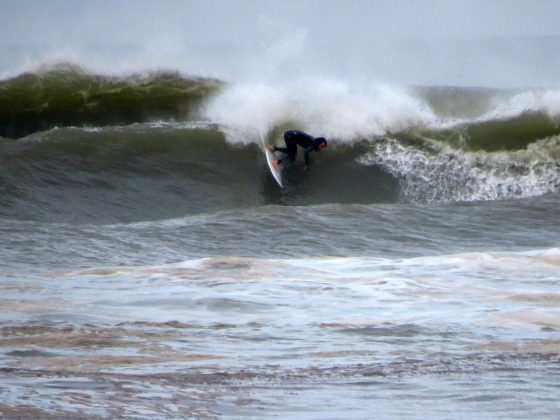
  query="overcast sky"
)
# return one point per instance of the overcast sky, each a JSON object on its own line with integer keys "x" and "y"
{"x": 67, "y": 21}
{"x": 390, "y": 35}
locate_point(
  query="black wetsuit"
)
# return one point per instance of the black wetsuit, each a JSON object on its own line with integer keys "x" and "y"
{"x": 294, "y": 138}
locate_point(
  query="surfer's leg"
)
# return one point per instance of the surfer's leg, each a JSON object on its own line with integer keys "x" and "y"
{"x": 290, "y": 150}
{"x": 291, "y": 145}
{"x": 280, "y": 149}
{"x": 287, "y": 159}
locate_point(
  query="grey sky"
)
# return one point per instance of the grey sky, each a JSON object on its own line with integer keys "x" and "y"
{"x": 356, "y": 32}
{"x": 68, "y": 21}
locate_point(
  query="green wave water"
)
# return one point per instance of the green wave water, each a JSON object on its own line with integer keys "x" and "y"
{"x": 67, "y": 95}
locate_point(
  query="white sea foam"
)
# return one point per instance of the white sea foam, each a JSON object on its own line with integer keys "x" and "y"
{"x": 444, "y": 174}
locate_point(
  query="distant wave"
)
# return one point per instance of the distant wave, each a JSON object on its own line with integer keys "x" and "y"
{"x": 63, "y": 94}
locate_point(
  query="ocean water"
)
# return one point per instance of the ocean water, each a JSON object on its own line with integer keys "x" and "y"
{"x": 152, "y": 267}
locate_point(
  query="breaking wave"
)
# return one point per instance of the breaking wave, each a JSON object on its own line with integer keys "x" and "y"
{"x": 160, "y": 145}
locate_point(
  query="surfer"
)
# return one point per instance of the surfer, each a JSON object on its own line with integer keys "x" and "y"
{"x": 293, "y": 138}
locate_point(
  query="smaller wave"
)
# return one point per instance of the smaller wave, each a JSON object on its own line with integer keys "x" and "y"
{"x": 486, "y": 104}
{"x": 437, "y": 173}
{"x": 492, "y": 135}
{"x": 489, "y": 119}
{"x": 547, "y": 101}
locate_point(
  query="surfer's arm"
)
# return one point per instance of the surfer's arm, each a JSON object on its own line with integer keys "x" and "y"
{"x": 306, "y": 154}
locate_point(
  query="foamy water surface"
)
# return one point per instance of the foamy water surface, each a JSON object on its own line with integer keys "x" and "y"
{"x": 231, "y": 335}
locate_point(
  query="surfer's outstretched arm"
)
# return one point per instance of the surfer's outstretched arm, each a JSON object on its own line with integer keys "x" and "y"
{"x": 306, "y": 154}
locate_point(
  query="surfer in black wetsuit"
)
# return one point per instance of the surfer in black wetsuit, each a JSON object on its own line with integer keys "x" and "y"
{"x": 293, "y": 138}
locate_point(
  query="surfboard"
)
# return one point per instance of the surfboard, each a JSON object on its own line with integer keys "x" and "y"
{"x": 276, "y": 173}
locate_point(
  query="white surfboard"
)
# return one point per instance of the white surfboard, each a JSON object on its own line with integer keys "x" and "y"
{"x": 276, "y": 173}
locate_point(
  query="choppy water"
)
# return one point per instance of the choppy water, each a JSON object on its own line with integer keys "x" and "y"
{"x": 449, "y": 335}
{"x": 155, "y": 269}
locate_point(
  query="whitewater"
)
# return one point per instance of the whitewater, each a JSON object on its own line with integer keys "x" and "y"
{"x": 151, "y": 266}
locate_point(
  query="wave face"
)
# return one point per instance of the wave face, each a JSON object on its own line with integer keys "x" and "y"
{"x": 101, "y": 149}
{"x": 165, "y": 170}
{"x": 152, "y": 171}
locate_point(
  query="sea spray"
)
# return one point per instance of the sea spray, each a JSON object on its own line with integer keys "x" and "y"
{"x": 331, "y": 108}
